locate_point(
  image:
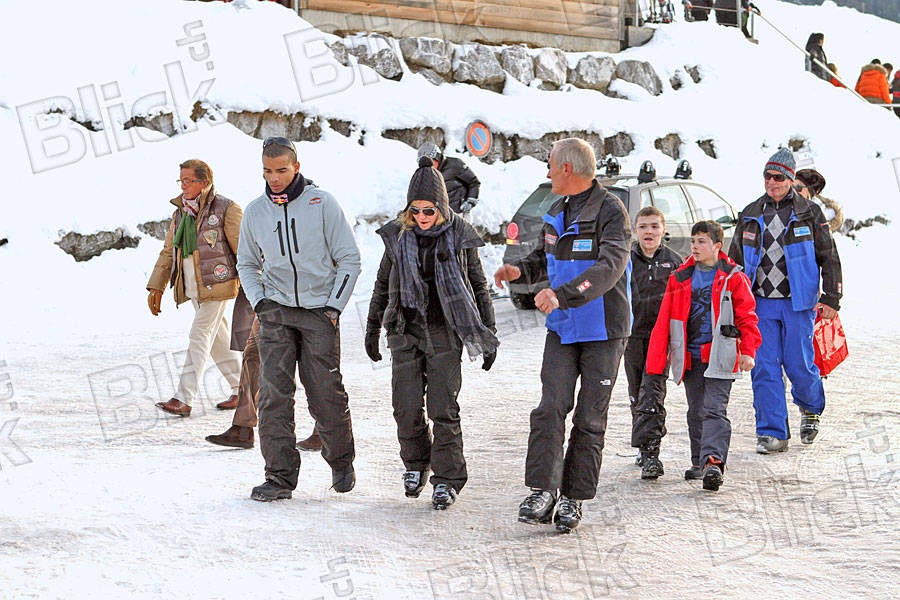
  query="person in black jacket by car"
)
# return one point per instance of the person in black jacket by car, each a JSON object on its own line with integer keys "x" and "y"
{"x": 431, "y": 296}
{"x": 651, "y": 263}
{"x": 462, "y": 184}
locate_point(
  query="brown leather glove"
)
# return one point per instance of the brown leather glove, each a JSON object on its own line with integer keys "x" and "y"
{"x": 153, "y": 301}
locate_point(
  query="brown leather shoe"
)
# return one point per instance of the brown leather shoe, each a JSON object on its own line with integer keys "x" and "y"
{"x": 229, "y": 404}
{"x": 234, "y": 437}
{"x": 311, "y": 444}
{"x": 175, "y": 407}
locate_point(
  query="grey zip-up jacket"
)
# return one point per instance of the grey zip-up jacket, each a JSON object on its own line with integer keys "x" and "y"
{"x": 300, "y": 254}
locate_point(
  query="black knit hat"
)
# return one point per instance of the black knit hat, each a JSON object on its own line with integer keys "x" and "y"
{"x": 427, "y": 183}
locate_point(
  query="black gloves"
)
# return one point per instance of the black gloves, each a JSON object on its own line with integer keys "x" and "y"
{"x": 489, "y": 358}
{"x": 372, "y": 348}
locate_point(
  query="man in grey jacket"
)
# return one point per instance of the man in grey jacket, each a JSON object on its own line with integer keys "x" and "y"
{"x": 298, "y": 262}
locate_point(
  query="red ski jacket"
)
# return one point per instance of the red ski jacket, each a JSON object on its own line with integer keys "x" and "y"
{"x": 732, "y": 303}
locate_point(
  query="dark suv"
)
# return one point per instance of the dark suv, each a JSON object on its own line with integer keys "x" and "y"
{"x": 682, "y": 201}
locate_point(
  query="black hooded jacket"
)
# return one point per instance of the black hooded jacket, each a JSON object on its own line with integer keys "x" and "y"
{"x": 648, "y": 285}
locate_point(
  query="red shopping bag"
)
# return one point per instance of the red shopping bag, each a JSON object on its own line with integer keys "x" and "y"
{"x": 829, "y": 343}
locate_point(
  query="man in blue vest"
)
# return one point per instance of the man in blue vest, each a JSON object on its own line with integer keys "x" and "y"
{"x": 585, "y": 255}
{"x": 784, "y": 243}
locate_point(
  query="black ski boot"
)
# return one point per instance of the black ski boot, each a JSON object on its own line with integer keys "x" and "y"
{"x": 809, "y": 426}
{"x": 444, "y": 495}
{"x": 537, "y": 508}
{"x": 414, "y": 482}
{"x": 568, "y": 514}
{"x": 653, "y": 467}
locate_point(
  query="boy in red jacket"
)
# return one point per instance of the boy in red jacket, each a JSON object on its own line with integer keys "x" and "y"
{"x": 707, "y": 331}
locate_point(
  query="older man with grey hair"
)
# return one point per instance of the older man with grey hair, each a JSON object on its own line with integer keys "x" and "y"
{"x": 584, "y": 254}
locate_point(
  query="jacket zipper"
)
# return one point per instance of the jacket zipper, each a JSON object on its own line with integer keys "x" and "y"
{"x": 280, "y": 238}
{"x": 343, "y": 285}
{"x": 290, "y": 256}
{"x": 294, "y": 235}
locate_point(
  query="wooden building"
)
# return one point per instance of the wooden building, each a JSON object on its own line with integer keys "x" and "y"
{"x": 572, "y": 25}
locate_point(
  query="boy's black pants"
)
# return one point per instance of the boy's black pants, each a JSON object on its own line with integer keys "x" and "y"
{"x": 646, "y": 392}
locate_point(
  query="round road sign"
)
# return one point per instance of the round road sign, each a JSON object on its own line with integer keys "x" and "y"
{"x": 478, "y": 139}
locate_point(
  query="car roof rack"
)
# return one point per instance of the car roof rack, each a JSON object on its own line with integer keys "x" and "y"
{"x": 647, "y": 172}
{"x": 683, "y": 170}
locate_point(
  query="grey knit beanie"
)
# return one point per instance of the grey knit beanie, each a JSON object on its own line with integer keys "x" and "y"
{"x": 427, "y": 183}
{"x": 783, "y": 162}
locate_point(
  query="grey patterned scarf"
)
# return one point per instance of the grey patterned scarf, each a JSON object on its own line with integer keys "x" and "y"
{"x": 456, "y": 298}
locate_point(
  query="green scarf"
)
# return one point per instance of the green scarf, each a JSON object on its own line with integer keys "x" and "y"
{"x": 186, "y": 235}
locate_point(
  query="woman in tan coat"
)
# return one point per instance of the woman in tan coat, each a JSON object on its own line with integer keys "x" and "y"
{"x": 199, "y": 261}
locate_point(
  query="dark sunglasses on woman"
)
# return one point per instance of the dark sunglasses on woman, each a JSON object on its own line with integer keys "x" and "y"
{"x": 428, "y": 212}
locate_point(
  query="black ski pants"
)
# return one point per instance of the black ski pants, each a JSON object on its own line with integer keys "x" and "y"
{"x": 427, "y": 376}
{"x": 306, "y": 340}
{"x": 646, "y": 393}
{"x": 596, "y": 364}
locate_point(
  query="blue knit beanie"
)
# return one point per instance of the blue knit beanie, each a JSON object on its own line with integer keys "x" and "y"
{"x": 783, "y": 162}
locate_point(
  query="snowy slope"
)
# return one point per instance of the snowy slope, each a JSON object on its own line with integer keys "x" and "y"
{"x": 102, "y": 496}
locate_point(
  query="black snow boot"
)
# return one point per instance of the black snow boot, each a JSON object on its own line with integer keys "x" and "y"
{"x": 343, "y": 481}
{"x": 270, "y": 491}
{"x": 652, "y": 467}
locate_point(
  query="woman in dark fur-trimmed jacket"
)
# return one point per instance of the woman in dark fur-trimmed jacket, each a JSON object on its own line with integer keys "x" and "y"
{"x": 431, "y": 296}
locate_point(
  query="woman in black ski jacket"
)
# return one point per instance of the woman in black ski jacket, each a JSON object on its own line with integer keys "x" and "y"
{"x": 432, "y": 297}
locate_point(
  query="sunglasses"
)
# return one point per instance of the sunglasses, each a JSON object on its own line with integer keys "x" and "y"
{"x": 428, "y": 212}
{"x": 279, "y": 141}
{"x": 779, "y": 177}
{"x": 187, "y": 181}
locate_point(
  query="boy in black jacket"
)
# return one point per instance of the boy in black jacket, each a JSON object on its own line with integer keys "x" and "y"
{"x": 651, "y": 263}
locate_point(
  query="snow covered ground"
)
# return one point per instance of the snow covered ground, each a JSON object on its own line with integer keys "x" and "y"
{"x": 104, "y": 497}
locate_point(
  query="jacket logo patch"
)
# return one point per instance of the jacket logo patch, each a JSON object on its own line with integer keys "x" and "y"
{"x": 584, "y": 285}
{"x": 798, "y": 231}
{"x": 211, "y": 236}
{"x": 315, "y": 200}
{"x": 582, "y": 245}
{"x": 220, "y": 272}
{"x": 213, "y": 220}
{"x": 666, "y": 265}
{"x": 749, "y": 236}
{"x": 550, "y": 239}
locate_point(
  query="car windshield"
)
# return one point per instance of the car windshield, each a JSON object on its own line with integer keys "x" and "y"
{"x": 538, "y": 203}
